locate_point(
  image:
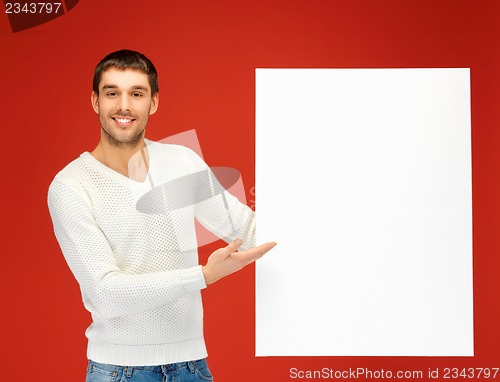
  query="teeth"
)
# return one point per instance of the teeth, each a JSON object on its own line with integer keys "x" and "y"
{"x": 123, "y": 120}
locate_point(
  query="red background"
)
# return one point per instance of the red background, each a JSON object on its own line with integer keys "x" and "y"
{"x": 206, "y": 53}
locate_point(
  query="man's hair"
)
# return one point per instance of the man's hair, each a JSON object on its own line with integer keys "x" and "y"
{"x": 126, "y": 59}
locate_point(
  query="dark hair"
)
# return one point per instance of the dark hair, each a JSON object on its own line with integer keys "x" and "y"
{"x": 126, "y": 59}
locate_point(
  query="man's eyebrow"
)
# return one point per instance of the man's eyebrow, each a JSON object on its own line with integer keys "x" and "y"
{"x": 136, "y": 87}
{"x": 104, "y": 87}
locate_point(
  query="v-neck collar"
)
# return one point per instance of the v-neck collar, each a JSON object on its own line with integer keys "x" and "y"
{"x": 115, "y": 174}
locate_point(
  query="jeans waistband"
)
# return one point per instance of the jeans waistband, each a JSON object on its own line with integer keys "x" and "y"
{"x": 129, "y": 370}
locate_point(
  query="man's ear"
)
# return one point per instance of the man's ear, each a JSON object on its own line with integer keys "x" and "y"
{"x": 154, "y": 104}
{"x": 94, "y": 98}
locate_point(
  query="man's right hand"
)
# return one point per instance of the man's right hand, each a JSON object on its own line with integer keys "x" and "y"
{"x": 227, "y": 260}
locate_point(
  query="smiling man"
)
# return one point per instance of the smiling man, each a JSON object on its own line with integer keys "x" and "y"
{"x": 139, "y": 272}
{"x": 121, "y": 93}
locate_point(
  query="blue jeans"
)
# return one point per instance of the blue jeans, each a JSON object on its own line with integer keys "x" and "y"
{"x": 192, "y": 371}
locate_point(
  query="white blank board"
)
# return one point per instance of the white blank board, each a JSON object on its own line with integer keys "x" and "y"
{"x": 363, "y": 178}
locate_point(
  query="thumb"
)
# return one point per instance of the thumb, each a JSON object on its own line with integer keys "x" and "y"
{"x": 232, "y": 246}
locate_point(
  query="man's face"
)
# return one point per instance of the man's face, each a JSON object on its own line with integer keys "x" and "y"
{"x": 124, "y": 104}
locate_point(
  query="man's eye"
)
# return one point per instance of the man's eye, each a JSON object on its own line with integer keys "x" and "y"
{"x": 111, "y": 94}
{"x": 137, "y": 94}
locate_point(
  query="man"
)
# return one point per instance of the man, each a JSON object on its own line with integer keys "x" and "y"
{"x": 138, "y": 266}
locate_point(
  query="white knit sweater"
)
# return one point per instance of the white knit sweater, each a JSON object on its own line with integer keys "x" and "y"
{"x": 138, "y": 267}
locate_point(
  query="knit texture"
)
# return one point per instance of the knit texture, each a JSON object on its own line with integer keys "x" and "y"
{"x": 138, "y": 271}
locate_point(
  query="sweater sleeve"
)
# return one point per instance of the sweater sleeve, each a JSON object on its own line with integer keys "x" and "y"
{"x": 112, "y": 292}
{"x": 222, "y": 213}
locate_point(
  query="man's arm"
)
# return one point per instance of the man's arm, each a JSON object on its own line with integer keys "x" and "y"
{"x": 90, "y": 257}
{"x": 217, "y": 210}
{"x": 231, "y": 220}
{"x": 112, "y": 292}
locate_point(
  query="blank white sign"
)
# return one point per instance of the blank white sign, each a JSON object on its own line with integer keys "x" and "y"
{"x": 363, "y": 178}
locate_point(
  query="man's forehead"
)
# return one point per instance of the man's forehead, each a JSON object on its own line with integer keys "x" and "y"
{"x": 124, "y": 78}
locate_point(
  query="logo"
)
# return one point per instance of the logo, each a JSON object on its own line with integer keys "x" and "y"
{"x": 29, "y": 14}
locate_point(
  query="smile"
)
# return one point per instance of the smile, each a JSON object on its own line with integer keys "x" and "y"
{"x": 124, "y": 121}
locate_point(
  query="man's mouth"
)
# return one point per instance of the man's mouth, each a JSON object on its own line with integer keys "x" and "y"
{"x": 123, "y": 121}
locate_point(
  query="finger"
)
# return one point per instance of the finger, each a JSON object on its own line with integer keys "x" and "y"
{"x": 255, "y": 253}
{"x": 266, "y": 247}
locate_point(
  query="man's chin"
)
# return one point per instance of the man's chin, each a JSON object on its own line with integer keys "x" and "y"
{"x": 123, "y": 140}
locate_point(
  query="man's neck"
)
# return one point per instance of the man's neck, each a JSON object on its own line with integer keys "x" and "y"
{"x": 123, "y": 158}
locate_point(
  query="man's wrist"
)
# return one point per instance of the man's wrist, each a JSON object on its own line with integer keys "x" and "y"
{"x": 193, "y": 278}
{"x": 205, "y": 274}
{"x": 209, "y": 278}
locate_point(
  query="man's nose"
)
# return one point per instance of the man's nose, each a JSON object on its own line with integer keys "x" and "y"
{"x": 124, "y": 104}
